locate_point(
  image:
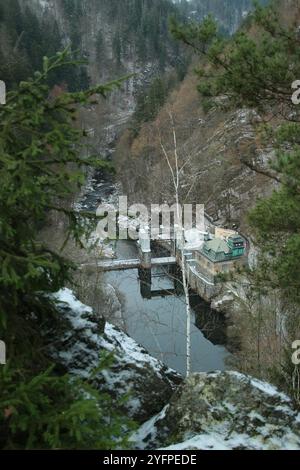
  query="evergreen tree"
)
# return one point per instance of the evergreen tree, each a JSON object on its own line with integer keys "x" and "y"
{"x": 38, "y": 141}
{"x": 258, "y": 72}
{"x": 257, "y": 69}
{"x": 28, "y": 40}
{"x": 143, "y": 24}
{"x": 150, "y": 101}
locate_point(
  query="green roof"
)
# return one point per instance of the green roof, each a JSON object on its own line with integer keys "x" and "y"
{"x": 217, "y": 250}
{"x": 218, "y": 246}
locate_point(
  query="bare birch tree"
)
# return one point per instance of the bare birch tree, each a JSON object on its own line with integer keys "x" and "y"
{"x": 176, "y": 171}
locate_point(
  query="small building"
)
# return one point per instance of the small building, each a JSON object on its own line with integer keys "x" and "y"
{"x": 224, "y": 233}
{"x": 219, "y": 256}
{"x": 237, "y": 245}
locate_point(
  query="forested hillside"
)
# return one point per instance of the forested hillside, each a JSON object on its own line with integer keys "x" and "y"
{"x": 228, "y": 13}
{"x": 25, "y": 39}
{"x": 134, "y": 328}
{"x": 113, "y": 33}
{"x": 237, "y": 142}
{"x": 115, "y": 38}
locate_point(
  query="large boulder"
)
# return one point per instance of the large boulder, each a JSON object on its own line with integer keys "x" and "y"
{"x": 224, "y": 410}
{"x": 81, "y": 338}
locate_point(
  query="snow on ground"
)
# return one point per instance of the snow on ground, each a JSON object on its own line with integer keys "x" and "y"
{"x": 67, "y": 297}
{"x": 215, "y": 441}
{"x": 134, "y": 371}
{"x": 148, "y": 432}
{"x": 214, "y": 411}
{"x": 135, "y": 353}
{"x": 114, "y": 339}
{"x": 223, "y": 411}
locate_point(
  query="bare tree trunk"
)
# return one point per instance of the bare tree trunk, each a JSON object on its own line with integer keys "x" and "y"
{"x": 175, "y": 173}
{"x": 188, "y": 315}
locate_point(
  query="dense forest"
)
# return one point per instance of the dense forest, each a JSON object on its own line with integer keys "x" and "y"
{"x": 228, "y": 13}
{"x": 102, "y": 348}
{"x": 25, "y": 40}
{"x": 139, "y": 29}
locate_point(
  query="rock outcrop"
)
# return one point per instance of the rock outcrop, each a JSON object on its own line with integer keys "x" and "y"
{"x": 110, "y": 35}
{"x": 219, "y": 411}
{"x": 215, "y": 149}
{"x": 82, "y": 338}
{"x": 209, "y": 411}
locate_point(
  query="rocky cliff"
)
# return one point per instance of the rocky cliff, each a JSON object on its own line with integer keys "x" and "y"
{"x": 213, "y": 148}
{"x": 81, "y": 339}
{"x": 117, "y": 39}
{"x": 223, "y": 411}
{"x": 126, "y": 38}
{"x": 207, "y": 411}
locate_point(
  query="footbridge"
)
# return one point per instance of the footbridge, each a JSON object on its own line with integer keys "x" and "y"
{"x": 127, "y": 264}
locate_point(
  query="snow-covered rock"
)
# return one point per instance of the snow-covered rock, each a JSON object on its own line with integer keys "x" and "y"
{"x": 81, "y": 339}
{"x": 218, "y": 410}
{"x": 223, "y": 410}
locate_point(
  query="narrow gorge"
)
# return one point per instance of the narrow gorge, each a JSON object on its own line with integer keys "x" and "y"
{"x": 182, "y": 337}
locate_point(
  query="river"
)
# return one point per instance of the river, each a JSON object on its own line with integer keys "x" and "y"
{"x": 159, "y": 323}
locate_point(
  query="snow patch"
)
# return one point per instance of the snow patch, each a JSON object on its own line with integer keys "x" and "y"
{"x": 134, "y": 372}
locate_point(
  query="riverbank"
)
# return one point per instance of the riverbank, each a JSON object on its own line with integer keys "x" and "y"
{"x": 159, "y": 323}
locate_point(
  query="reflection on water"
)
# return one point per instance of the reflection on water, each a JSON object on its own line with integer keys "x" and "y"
{"x": 211, "y": 323}
{"x": 159, "y": 324}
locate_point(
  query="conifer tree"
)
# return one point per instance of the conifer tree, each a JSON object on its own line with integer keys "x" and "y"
{"x": 258, "y": 72}
{"x": 39, "y": 408}
{"x": 259, "y": 68}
